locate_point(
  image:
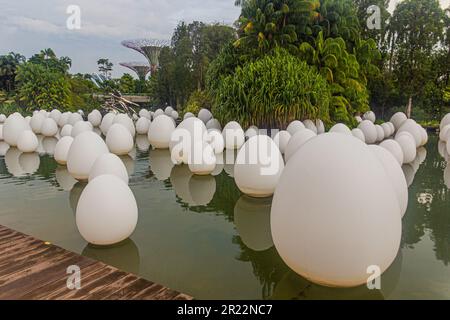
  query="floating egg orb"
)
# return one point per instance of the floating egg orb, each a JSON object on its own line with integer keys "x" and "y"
{"x": 309, "y": 124}
{"x": 357, "y": 133}
{"x": 414, "y": 129}
{"x": 213, "y": 124}
{"x": 202, "y": 159}
{"x": 62, "y": 149}
{"x": 205, "y": 115}
{"x": 297, "y": 141}
{"x": 160, "y": 131}
{"x": 408, "y": 145}
{"x": 1, "y": 132}
{"x": 386, "y": 130}
{"x": 12, "y": 162}
{"x": 333, "y": 242}
{"x": 142, "y": 143}
{"x": 341, "y": 128}
{"x": 3, "y": 148}
{"x": 83, "y": 152}
{"x": 174, "y": 115}
{"x": 36, "y": 122}
{"x": 398, "y": 119}
{"x": 66, "y": 130}
{"x": 63, "y": 119}
{"x": 445, "y": 121}
{"x": 157, "y": 113}
{"x": 144, "y": 113}
{"x": 394, "y": 148}
{"x": 126, "y": 121}
{"x": 188, "y": 115}
{"x": 281, "y": 139}
{"x": 380, "y": 133}
{"x": 168, "y": 111}
{"x": 258, "y": 167}
{"x": 2, "y": 118}
{"x": 370, "y": 115}
{"x": 95, "y": 118}
{"x": 295, "y": 126}
{"x": 74, "y": 118}
{"x": 109, "y": 163}
{"x": 119, "y": 139}
{"x": 107, "y": 212}
{"x": 27, "y": 142}
{"x": 55, "y": 114}
{"x": 369, "y": 130}
{"x": 251, "y": 132}
{"x": 107, "y": 122}
{"x": 233, "y": 135}
{"x": 49, "y": 128}
{"x": 215, "y": 139}
{"x": 81, "y": 126}
{"x": 320, "y": 126}
{"x": 142, "y": 125}
{"x": 13, "y": 127}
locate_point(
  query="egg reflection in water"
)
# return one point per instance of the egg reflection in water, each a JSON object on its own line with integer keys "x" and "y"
{"x": 64, "y": 179}
{"x": 4, "y": 147}
{"x": 12, "y": 162}
{"x": 252, "y": 220}
{"x": 202, "y": 189}
{"x": 49, "y": 145}
{"x": 29, "y": 162}
{"x": 128, "y": 162}
{"x": 75, "y": 194}
{"x": 179, "y": 178}
{"x": 142, "y": 143}
{"x": 160, "y": 163}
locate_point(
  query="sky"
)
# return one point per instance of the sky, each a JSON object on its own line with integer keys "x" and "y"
{"x": 27, "y": 26}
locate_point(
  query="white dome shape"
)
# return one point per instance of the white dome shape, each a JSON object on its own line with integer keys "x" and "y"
{"x": 142, "y": 125}
{"x": 95, "y": 118}
{"x": 358, "y": 119}
{"x": 107, "y": 122}
{"x": 398, "y": 119}
{"x": 160, "y": 131}
{"x": 107, "y": 212}
{"x": 4, "y": 147}
{"x": 341, "y": 128}
{"x": 309, "y": 124}
{"x": 119, "y": 140}
{"x": 295, "y": 126}
{"x": 205, "y": 115}
{"x": 395, "y": 175}
{"x": 394, "y": 148}
{"x": 215, "y": 139}
{"x": 66, "y": 130}
{"x": 380, "y": 133}
{"x": 1, "y": 132}
{"x": 74, "y": 118}
{"x": 62, "y": 149}
{"x": 297, "y": 141}
{"x": 157, "y": 113}
{"x": 424, "y": 136}
{"x": 144, "y": 113}
{"x": 36, "y": 122}
{"x": 412, "y": 127}
{"x": 202, "y": 159}
{"x": 188, "y": 115}
{"x": 13, "y": 127}
{"x": 125, "y": 120}
{"x": 81, "y": 126}
{"x": 320, "y": 126}
{"x": 443, "y": 134}
{"x": 325, "y": 228}
{"x": 27, "y": 142}
{"x": 49, "y": 128}
{"x": 281, "y": 139}
{"x": 109, "y": 163}
{"x": 386, "y": 130}
{"x": 392, "y": 128}
{"x": 174, "y": 115}
{"x": 28, "y": 120}
{"x": 357, "y": 133}
{"x": 83, "y": 152}
{"x": 258, "y": 167}
{"x": 213, "y": 124}
{"x": 81, "y": 112}
{"x": 63, "y": 119}
{"x": 251, "y": 132}
{"x": 369, "y": 130}
{"x": 370, "y": 115}
{"x": 55, "y": 114}
{"x": 408, "y": 145}
{"x": 445, "y": 121}
{"x": 168, "y": 111}
{"x": 2, "y": 118}
{"x": 233, "y": 135}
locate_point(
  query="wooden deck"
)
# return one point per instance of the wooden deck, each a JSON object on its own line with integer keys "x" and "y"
{"x": 33, "y": 269}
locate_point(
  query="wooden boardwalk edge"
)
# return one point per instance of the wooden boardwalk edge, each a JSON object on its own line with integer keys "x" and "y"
{"x": 31, "y": 269}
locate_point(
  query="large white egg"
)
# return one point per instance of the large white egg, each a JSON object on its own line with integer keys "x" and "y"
{"x": 323, "y": 225}
{"x": 398, "y": 119}
{"x": 394, "y": 148}
{"x": 395, "y": 174}
{"x": 62, "y": 149}
{"x": 386, "y": 129}
{"x": 2, "y": 118}
{"x": 233, "y": 135}
{"x": 107, "y": 212}
{"x": 258, "y": 167}
{"x": 74, "y": 118}
{"x": 55, "y": 114}
{"x": 297, "y": 141}
{"x": 119, "y": 139}
{"x": 295, "y": 126}
{"x": 27, "y": 142}
{"x": 4, "y": 147}
{"x": 357, "y": 133}
{"x": 66, "y": 130}
{"x": 281, "y": 139}
{"x": 202, "y": 159}
{"x": 445, "y": 121}
{"x": 408, "y": 145}
{"x": 142, "y": 125}
{"x": 83, "y": 152}
{"x": 81, "y": 126}
{"x": 370, "y": 115}
{"x": 424, "y": 136}
{"x": 1, "y": 132}
{"x": 215, "y": 139}
{"x": 414, "y": 129}
{"x": 380, "y": 133}
{"x": 309, "y": 124}
{"x": 95, "y": 118}
{"x": 320, "y": 126}
{"x": 369, "y": 130}
{"x": 213, "y": 124}
{"x": 251, "y": 132}
{"x": 36, "y": 122}
{"x": 174, "y": 115}
{"x": 160, "y": 131}
{"x": 168, "y": 111}
{"x": 157, "y": 113}
{"x": 49, "y": 128}
{"x": 205, "y": 115}
{"x": 144, "y": 113}
{"x": 109, "y": 163}
{"x": 341, "y": 128}
{"x": 107, "y": 122}
{"x": 126, "y": 121}
{"x": 63, "y": 119}
{"x": 188, "y": 115}
{"x": 13, "y": 127}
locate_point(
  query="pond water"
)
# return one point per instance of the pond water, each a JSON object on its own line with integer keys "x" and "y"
{"x": 201, "y": 236}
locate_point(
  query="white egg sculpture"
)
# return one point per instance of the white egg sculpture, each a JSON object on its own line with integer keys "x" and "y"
{"x": 424, "y": 136}
{"x": 80, "y": 127}
{"x": 49, "y": 128}
{"x": 380, "y": 133}
{"x": 36, "y": 122}
{"x": 297, "y": 141}
{"x": 95, "y": 118}
{"x": 233, "y": 135}
{"x": 369, "y": 130}
{"x": 215, "y": 139}
{"x": 107, "y": 212}
{"x": 386, "y": 130}
{"x": 1, "y": 132}
{"x": 2, "y": 118}
{"x": 369, "y": 115}
{"x": 398, "y": 119}
{"x": 281, "y": 139}
{"x": 408, "y": 145}
{"x": 174, "y": 115}
{"x": 83, "y": 152}
{"x": 341, "y": 128}
{"x": 168, "y": 110}
{"x": 394, "y": 148}
{"x": 142, "y": 125}
{"x": 74, "y": 118}
{"x": 414, "y": 129}
{"x": 109, "y": 163}
{"x": 251, "y": 132}
{"x": 325, "y": 228}
{"x": 66, "y": 130}
{"x": 55, "y": 114}
{"x": 157, "y": 113}
{"x": 4, "y": 147}
{"x": 13, "y": 127}
{"x": 213, "y": 124}
{"x": 144, "y": 113}
{"x": 320, "y": 126}
{"x": 126, "y": 121}
{"x": 443, "y": 134}
{"x": 119, "y": 139}
{"x": 63, "y": 119}
{"x": 188, "y": 115}
{"x": 160, "y": 131}
{"x": 62, "y": 150}
{"x": 357, "y": 133}
{"x": 445, "y": 121}
{"x": 258, "y": 167}
{"x": 107, "y": 122}
{"x": 309, "y": 124}
{"x": 294, "y": 127}
{"x": 27, "y": 142}
{"x": 202, "y": 159}
{"x": 205, "y": 115}
{"x": 395, "y": 174}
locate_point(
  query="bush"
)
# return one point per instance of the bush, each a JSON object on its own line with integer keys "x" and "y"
{"x": 272, "y": 91}
{"x": 197, "y": 100}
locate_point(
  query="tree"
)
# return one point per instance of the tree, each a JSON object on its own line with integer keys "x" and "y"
{"x": 50, "y": 61}
{"x": 105, "y": 67}
{"x": 8, "y": 69}
{"x": 127, "y": 84}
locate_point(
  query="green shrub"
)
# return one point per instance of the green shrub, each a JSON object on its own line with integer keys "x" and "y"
{"x": 197, "y": 100}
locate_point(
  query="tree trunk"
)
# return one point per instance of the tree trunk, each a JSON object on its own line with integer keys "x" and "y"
{"x": 409, "y": 107}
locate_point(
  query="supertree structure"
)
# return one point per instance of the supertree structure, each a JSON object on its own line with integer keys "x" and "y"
{"x": 150, "y": 48}
{"x": 141, "y": 68}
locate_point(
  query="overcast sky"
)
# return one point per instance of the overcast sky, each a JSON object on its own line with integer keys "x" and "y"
{"x": 27, "y": 26}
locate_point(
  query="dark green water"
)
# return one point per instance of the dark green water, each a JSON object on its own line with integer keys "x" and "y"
{"x": 200, "y": 236}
